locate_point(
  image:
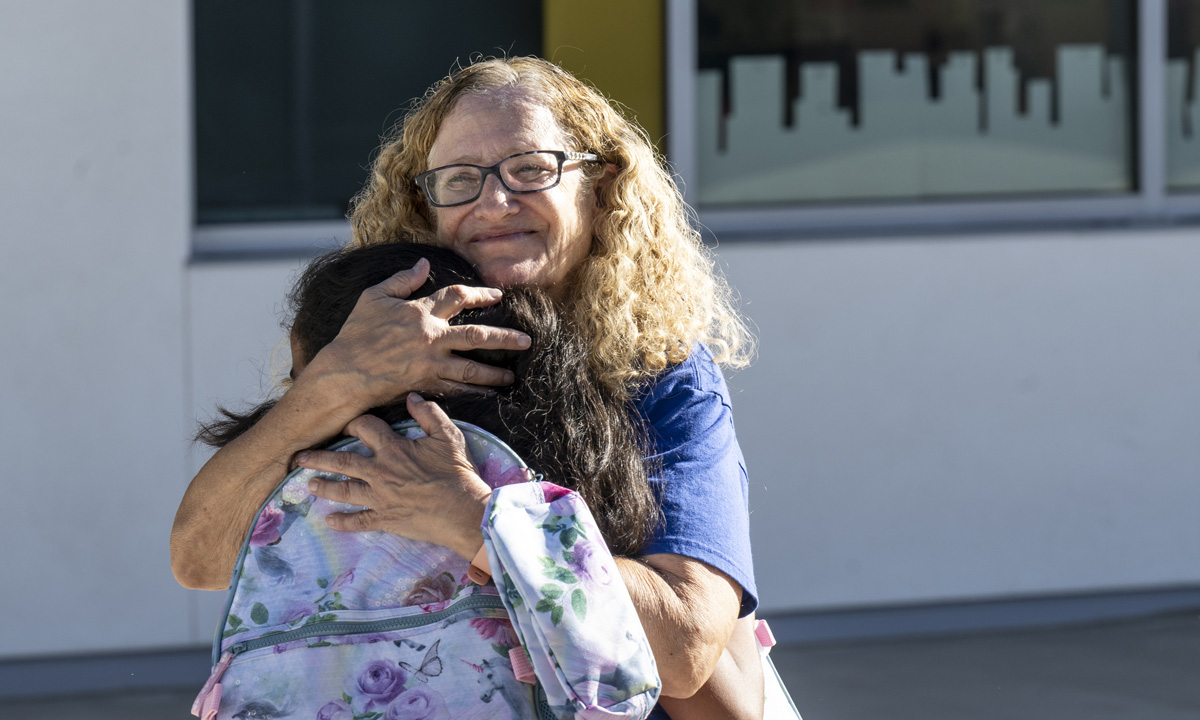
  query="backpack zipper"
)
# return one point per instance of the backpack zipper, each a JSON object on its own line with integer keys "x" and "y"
{"x": 351, "y": 627}
{"x": 209, "y": 698}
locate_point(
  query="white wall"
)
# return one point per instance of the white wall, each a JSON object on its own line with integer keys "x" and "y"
{"x": 94, "y": 206}
{"x": 969, "y": 417}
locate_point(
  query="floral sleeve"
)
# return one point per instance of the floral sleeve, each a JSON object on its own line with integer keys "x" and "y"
{"x": 568, "y": 603}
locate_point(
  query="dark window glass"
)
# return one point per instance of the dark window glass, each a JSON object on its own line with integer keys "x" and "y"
{"x": 820, "y": 100}
{"x": 1183, "y": 123}
{"x": 292, "y": 96}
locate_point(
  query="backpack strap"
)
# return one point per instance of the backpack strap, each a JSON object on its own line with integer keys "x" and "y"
{"x": 568, "y": 603}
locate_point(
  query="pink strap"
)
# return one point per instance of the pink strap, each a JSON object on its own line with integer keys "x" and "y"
{"x": 211, "y": 686}
{"x": 763, "y": 632}
{"x": 522, "y": 667}
{"x": 212, "y": 704}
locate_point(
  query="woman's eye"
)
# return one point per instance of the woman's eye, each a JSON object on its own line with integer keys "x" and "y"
{"x": 531, "y": 171}
{"x": 460, "y": 181}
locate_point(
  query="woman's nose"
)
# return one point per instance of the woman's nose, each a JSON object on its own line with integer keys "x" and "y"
{"x": 494, "y": 198}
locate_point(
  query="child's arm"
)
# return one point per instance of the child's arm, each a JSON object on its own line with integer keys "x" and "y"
{"x": 734, "y": 691}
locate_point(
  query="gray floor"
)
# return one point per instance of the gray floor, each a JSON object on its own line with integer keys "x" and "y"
{"x": 1145, "y": 669}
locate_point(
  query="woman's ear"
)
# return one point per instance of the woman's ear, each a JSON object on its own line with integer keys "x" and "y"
{"x": 604, "y": 182}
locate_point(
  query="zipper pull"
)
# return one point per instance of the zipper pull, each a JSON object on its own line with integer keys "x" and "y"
{"x": 522, "y": 666}
{"x": 209, "y": 700}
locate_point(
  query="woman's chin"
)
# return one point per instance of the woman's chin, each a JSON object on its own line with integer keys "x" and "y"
{"x": 518, "y": 274}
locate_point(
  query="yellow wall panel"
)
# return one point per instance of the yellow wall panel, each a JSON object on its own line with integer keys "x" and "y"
{"x": 617, "y": 45}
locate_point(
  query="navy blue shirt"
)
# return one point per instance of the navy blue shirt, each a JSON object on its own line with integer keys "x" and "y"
{"x": 698, "y": 471}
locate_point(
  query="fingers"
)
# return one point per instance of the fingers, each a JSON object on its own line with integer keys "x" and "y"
{"x": 462, "y": 371}
{"x": 485, "y": 337}
{"x": 450, "y": 301}
{"x": 372, "y": 431}
{"x": 403, "y": 283}
{"x": 338, "y": 463}
{"x": 433, "y": 420}
{"x": 347, "y": 491}
{"x": 353, "y": 522}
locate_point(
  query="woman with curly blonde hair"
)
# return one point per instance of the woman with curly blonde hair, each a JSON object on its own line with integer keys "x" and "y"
{"x": 582, "y": 207}
{"x": 646, "y": 292}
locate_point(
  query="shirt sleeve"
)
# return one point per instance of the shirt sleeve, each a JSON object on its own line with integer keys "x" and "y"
{"x": 698, "y": 472}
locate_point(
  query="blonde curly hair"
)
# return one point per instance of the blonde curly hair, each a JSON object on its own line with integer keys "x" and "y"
{"x": 648, "y": 291}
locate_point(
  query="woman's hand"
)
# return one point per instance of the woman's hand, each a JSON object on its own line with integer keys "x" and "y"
{"x": 424, "y": 489}
{"x": 389, "y": 346}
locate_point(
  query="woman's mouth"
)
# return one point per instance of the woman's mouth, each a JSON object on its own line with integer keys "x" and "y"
{"x": 502, "y": 236}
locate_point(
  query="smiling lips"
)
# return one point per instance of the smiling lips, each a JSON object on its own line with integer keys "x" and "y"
{"x": 490, "y": 236}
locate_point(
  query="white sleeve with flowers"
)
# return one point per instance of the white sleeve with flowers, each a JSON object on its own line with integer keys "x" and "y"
{"x": 568, "y": 603}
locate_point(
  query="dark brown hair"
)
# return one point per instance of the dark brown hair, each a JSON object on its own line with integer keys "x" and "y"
{"x": 558, "y": 416}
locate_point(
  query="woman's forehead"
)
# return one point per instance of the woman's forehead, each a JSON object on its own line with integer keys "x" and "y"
{"x": 482, "y": 129}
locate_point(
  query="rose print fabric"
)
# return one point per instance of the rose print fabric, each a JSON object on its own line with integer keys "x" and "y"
{"x": 568, "y": 604}
{"x": 363, "y": 626}
{"x": 372, "y": 626}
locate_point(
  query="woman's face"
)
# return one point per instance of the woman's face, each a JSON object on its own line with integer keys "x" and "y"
{"x": 513, "y": 239}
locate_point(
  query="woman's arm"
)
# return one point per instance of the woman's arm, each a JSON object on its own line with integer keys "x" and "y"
{"x": 689, "y": 610}
{"x": 735, "y": 689}
{"x": 220, "y": 503}
{"x": 387, "y": 347}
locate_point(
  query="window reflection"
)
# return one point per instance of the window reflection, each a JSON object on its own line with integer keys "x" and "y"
{"x": 819, "y": 100}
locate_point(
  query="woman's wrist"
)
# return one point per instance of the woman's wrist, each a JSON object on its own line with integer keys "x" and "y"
{"x": 470, "y": 535}
{"x": 338, "y": 391}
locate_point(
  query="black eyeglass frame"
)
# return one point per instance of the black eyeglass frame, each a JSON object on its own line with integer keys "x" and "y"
{"x": 422, "y": 180}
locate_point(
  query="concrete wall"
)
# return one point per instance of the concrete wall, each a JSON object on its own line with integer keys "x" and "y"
{"x": 95, "y": 197}
{"x": 966, "y": 417}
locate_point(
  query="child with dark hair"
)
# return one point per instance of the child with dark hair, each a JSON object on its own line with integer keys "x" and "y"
{"x": 556, "y": 415}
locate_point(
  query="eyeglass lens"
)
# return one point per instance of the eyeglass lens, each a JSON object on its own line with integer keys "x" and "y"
{"x": 528, "y": 172}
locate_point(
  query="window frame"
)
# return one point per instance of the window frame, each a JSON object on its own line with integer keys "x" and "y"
{"x": 1148, "y": 203}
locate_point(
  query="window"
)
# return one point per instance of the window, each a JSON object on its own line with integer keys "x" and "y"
{"x": 795, "y": 115}
{"x": 292, "y": 96}
{"x": 803, "y": 100}
{"x": 1183, "y": 145}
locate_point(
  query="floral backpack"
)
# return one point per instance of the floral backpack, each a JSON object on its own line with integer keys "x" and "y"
{"x": 336, "y": 625}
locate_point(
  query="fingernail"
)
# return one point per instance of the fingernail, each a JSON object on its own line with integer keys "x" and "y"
{"x": 301, "y": 457}
{"x": 416, "y": 397}
{"x": 495, "y": 294}
{"x": 524, "y": 342}
{"x": 312, "y": 486}
{"x": 509, "y": 377}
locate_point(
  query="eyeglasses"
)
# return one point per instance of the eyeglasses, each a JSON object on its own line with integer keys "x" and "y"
{"x": 526, "y": 172}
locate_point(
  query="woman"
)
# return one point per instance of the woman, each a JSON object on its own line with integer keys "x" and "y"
{"x": 596, "y": 222}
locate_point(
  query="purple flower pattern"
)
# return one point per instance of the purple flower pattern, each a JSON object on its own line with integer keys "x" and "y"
{"x": 266, "y": 530}
{"x": 335, "y": 710}
{"x": 420, "y": 703}
{"x": 380, "y": 682}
